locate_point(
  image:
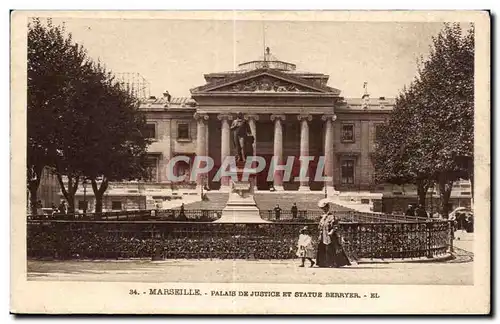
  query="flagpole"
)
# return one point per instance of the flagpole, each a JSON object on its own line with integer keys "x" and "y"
{"x": 264, "y": 38}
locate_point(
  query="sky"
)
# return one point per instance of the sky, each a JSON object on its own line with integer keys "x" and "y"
{"x": 173, "y": 55}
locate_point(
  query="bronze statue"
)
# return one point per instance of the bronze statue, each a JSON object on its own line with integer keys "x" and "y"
{"x": 242, "y": 138}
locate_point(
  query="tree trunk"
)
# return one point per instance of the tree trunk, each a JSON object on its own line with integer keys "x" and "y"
{"x": 35, "y": 175}
{"x": 472, "y": 189}
{"x": 33, "y": 198}
{"x": 98, "y": 204}
{"x": 445, "y": 187}
{"x": 69, "y": 194}
{"x": 422, "y": 189}
{"x": 99, "y": 193}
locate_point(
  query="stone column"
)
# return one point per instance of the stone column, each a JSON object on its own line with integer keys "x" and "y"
{"x": 304, "y": 147}
{"x": 278, "y": 149}
{"x": 225, "y": 146}
{"x": 201, "y": 142}
{"x": 329, "y": 150}
{"x": 252, "y": 122}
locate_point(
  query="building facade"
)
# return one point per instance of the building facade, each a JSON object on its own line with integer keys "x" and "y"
{"x": 290, "y": 113}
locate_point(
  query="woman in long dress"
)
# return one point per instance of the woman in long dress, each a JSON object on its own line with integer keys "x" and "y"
{"x": 324, "y": 256}
{"x": 340, "y": 257}
{"x": 330, "y": 251}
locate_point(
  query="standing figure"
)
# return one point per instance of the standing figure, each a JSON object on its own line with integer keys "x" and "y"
{"x": 294, "y": 210}
{"x": 420, "y": 211}
{"x": 54, "y": 209}
{"x": 182, "y": 214}
{"x": 305, "y": 248}
{"x": 242, "y": 137}
{"x": 324, "y": 256}
{"x": 277, "y": 212}
{"x": 410, "y": 211}
{"x": 331, "y": 252}
{"x": 39, "y": 208}
{"x": 63, "y": 208}
{"x": 340, "y": 257}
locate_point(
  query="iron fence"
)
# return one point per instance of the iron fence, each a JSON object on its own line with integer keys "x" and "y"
{"x": 206, "y": 240}
{"x": 206, "y": 215}
{"x": 345, "y": 215}
{"x": 131, "y": 215}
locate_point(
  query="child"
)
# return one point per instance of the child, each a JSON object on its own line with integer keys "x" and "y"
{"x": 305, "y": 247}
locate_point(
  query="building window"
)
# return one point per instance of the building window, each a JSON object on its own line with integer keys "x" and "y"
{"x": 181, "y": 168}
{"x": 116, "y": 205}
{"x": 347, "y": 171}
{"x": 183, "y": 131}
{"x": 150, "y": 131}
{"x": 151, "y": 168}
{"x": 347, "y": 132}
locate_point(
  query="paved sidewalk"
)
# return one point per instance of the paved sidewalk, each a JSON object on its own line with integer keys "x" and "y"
{"x": 464, "y": 241}
{"x": 243, "y": 271}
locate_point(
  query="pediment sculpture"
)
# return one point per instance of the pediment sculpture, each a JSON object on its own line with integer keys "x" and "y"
{"x": 264, "y": 84}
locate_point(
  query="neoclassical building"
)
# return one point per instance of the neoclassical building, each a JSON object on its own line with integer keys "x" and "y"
{"x": 290, "y": 113}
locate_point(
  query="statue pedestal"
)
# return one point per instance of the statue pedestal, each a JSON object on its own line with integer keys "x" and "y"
{"x": 241, "y": 206}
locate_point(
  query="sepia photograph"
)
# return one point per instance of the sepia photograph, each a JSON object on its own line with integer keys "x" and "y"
{"x": 243, "y": 158}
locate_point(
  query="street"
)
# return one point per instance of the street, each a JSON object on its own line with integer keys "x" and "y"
{"x": 454, "y": 272}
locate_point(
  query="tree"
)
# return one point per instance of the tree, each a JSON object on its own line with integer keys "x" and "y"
{"x": 398, "y": 158}
{"x": 447, "y": 111}
{"x": 81, "y": 123}
{"x": 115, "y": 147}
{"x": 53, "y": 62}
{"x": 432, "y": 123}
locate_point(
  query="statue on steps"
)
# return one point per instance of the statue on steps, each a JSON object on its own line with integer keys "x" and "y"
{"x": 242, "y": 138}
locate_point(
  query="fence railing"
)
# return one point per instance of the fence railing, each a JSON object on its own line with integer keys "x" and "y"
{"x": 107, "y": 239}
{"x": 131, "y": 215}
{"x": 211, "y": 215}
{"x": 347, "y": 216}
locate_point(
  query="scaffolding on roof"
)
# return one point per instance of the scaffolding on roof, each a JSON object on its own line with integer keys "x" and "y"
{"x": 135, "y": 84}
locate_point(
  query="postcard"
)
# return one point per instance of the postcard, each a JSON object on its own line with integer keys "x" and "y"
{"x": 250, "y": 162}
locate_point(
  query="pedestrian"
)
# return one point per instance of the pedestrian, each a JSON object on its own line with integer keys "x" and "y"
{"x": 324, "y": 255}
{"x": 54, "y": 209}
{"x": 277, "y": 212}
{"x": 182, "y": 214}
{"x": 294, "y": 210}
{"x": 410, "y": 211}
{"x": 63, "y": 208}
{"x": 330, "y": 250}
{"x": 420, "y": 211}
{"x": 305, "y": 248}
{"x": 340, "y": 257}
{"x": 39, "y": 208}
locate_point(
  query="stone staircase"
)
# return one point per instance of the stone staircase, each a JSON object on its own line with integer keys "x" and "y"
{"x": 265, "y": 201}
{"x": 304, "y": 201}
{"x": 215, "y": 201}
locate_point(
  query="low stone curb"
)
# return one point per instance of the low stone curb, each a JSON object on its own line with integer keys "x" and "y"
{"x": 440, "y": 258}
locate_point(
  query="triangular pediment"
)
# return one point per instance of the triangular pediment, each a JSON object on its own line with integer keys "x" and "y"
{"x": 264, "y": 81}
